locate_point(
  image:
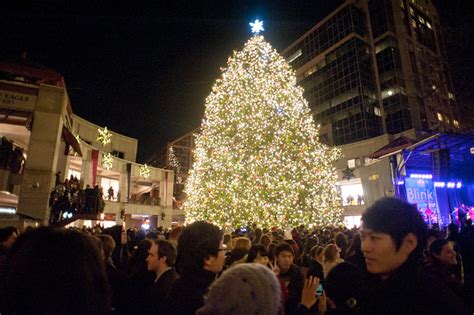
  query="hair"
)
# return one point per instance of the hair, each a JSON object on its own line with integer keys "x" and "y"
{"x": 198, "y": 241}
{"x": 436, "y": 246}
{"x": 316, "y": 251}
{"x": 108, "y": 245}
{"x": 241, "y": 243}
{"x": 271, "y": 251}
{"x": 396, "y": 218}
{"x": 330, "y": 253}
{"x": 53, "y": 271}
{"x": 340, "y": 239}
{"x": 355, "y": 246}
{"x": 6, "y": 232}
{"x": 265, "y": 240}
{"x": 166, "y": 249}
{"x": 228, "y": 241}
{"x": 137, "y": 263}
{"x": 255, "y": 250}
{"x": 311, "y": 242}
{"x": 176, "y": 233}
{"x": 284, "y": 247}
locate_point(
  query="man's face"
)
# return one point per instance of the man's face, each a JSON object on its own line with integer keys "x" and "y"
{"x": 9, "y": 242}
{"x": 285, "y": 260}
{"x": 381, "y": 255}
{"x": 152, "y": 260}
{"x": 447, "y": 255}
{"x": 216, "y": 263}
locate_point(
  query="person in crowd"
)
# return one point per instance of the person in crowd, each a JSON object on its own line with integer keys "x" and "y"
{"x": 200, "y": 258}
{"x": 331, "y": 258}
{"x": 8, "y": 236}
{"x": 290, "y": 276}
{"x": 52, "y": 271}
{"x": 258, "y": 253}
{"x": 354, "y": 253}
{"x": 110, "y": 193}
{"x": 340, "y": 239}
{"x": 240, "y": 249}
{"x": 161, "y": 259}
{"x": 305, "y": 258}
{"x": 228, "y": 242}
{"x": 140, "y": 278}
{"x": 316, "y": 263}
{"x": 441, "y": 261}
{"x": 121, "y": 252}
{"x": 117, "y": 279}
{"x": 258, "y": 236}
{"x": 174, "y": 235}
{"x": 344, "y": 294}
{"x": 393, "y": 237}
{"x": 243, "y": 289}
{"x": 266, "y": 240}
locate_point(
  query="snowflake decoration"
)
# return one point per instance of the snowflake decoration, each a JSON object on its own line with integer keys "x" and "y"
{"x": 107, "y": 161}
{"x": 104, "y": 136}
{"x": 78, "y": 138}
{"x": 257, "y": 26}
{"x": 144, "y": 171}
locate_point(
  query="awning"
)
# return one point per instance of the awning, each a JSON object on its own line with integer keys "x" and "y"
{"x": 396, "y": 145}
{"x": 69, "y": 138}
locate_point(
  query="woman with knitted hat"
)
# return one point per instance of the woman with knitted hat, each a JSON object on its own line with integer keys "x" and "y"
{"x": 243, "y": 289}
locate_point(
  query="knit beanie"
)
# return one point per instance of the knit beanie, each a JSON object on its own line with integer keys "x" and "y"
{"x": 245, "y": 289}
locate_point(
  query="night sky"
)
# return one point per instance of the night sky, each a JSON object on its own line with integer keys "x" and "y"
{"x": 144, "y": 70}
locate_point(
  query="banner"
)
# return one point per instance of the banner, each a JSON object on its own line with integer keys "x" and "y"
{"x": 421, "y": 193}
{"x": 95, "y": 162}
{"x": 129, "y": 177}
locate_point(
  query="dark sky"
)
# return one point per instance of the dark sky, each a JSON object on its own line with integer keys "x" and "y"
{"x": 144, "y": 70}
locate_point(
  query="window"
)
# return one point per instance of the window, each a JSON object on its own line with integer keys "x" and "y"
{"x": 73, "y": 173}
{"x": 106, "y": 183}
{"x": 352, "y": 163}
{"x": 351, "y": 221}
{"x": 295, "y": 56}
{"x": 118, "y": 154}
{"x": 440, "y": 116}
{"x": 377, "y": 111}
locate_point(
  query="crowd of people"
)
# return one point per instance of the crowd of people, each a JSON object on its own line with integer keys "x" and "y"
{"x": 392, "y": 264}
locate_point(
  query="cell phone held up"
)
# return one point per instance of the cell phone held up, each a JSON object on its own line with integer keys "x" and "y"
{"x": 319, "y": 290}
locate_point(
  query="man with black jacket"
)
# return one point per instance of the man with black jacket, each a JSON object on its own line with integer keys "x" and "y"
{"x": 393, "y": 238}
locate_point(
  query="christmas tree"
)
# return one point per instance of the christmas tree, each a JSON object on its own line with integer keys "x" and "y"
{"x": 258, "y": 158}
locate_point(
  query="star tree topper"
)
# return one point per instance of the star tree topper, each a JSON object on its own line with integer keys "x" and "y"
{"x": 257, "y": 26}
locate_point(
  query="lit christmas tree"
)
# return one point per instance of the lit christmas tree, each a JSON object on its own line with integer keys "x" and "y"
{"x": 258, "y": 158}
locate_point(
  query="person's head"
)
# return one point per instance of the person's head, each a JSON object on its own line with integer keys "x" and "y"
{"x": 284, "y": 255}
{"x": 161, "y": 255}
{"x": 228, "y": 241}
{"x": 200, "y": 246}
{"x": 258, "y": 253}
{"x": 310, "y": 243}
{"x": 137, "y": 263}
{"x": 8, "y": 236}
{"x": 330, "y": 253}
{"x": 108, "y": 245}
{"x": 393, "y": 232}
{"x": 443, "y": 251}
{"x": 340, "y": 239}
{"x": 175, "y": 233}
{"x": 241, "y": 243}
{"x": 343, "y": 286}
{"x": 53, "y": 271}
{"x": 265, "y": 240}
{"x": 317, "y": 253}
{"x": 243, "y": 289}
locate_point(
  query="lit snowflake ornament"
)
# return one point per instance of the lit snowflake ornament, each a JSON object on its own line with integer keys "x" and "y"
{"x": 107, "y": 161}
{"x": 104, "y": 136}
{"x": 144, "y": 171}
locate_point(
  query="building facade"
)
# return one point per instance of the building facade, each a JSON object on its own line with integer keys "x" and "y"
{"x": 44, "y": 144}
{"x": 376, "y": 67}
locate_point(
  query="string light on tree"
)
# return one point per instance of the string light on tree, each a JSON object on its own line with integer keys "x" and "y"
{"x": 258, "y": 158}
{"x": 107, "y": 161}
{"x": 144, "y": 171}
{"x": 104, "y": 136}
{"x": 174, "y": 162}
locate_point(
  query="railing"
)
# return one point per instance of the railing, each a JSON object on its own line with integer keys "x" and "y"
{"x": 70, "y": 205}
